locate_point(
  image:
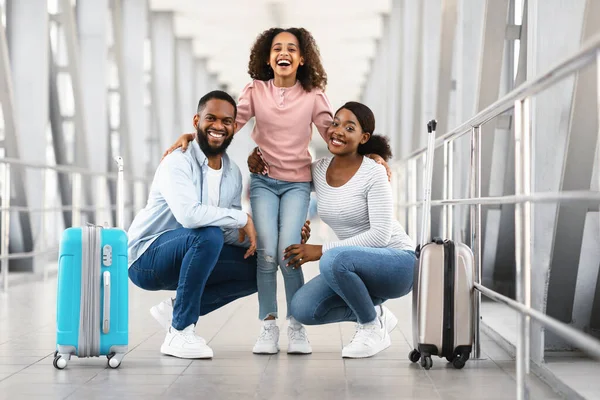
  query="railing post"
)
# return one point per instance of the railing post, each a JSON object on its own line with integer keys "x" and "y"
{"x": 475, "y": 210}
{"x": 522, "y": 239}
{"x": 598, "y": 140}
{"x": 76, "y": 200}
{"x": 43, "y": 243}
{"x": 5, "y": 229}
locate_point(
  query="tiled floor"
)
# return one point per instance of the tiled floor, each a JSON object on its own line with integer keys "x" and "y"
{"x": 27, "y": 340}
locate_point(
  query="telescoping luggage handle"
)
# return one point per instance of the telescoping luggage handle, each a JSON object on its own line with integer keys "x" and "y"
{"x": 120, "y": 193}
{"x": 107, "y": 253}
{"x": 428, "y": 182}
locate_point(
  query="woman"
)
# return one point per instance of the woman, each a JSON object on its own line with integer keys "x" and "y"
{"x": 373, "y": 259}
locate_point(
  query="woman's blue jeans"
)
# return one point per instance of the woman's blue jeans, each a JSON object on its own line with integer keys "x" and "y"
{"x": 279, "y": 210}
{"x": 352, "y": 281}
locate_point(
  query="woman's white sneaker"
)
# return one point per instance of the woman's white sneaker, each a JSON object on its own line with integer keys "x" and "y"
{"x": 268, "y": 339}
{"x": 298, "y": 340}
{"x": 185, "y": 344}
{"x": 368, "y": 340}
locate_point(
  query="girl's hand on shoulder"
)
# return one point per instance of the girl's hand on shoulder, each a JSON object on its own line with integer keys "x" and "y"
{"x": 298, "y": 254}
{"x": 379, "y": 160}
{"x": 183, "y": 142}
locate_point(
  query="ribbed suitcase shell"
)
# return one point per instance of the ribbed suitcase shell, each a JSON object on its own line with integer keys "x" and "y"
{"x": 428, "y": 300}
{"x": 69, "y": 289}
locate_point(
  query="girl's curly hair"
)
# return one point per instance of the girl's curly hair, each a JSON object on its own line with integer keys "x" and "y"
{"x": 311, "y": 75}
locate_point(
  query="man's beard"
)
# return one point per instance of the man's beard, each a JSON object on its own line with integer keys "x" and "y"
{"x": 206, "y": 148}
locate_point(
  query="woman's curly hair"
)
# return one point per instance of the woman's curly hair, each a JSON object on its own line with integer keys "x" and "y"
{"x": 377, "y": 144}
{"x": 311, "y": 75}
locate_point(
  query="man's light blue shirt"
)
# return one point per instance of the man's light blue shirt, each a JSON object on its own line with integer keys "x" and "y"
{"x": 179, "y": 198}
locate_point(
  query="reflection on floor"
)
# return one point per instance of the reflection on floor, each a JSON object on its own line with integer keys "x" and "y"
{"x": 27, "y": 340}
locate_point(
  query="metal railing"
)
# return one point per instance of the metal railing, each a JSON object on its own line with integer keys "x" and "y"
{"x": 76, "y": 208}
{"x": 518, "y": 99}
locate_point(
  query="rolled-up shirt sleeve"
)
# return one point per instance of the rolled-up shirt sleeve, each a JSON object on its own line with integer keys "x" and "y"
{"x": 231, "y": 236}
{"x": 177, "y": 187}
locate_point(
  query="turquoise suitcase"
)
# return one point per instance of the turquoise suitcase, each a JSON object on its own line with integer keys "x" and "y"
{"x": 92, "y": 300}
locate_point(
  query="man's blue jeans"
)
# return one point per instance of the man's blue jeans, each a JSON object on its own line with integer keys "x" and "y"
{"x": 279, "y": 210}
{"x": 206, "y": 273}
{"x": 352, "y": 281}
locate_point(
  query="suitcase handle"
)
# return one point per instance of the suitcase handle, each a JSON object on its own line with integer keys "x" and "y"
{"x": 120, "y": 193}
{"x": 425, "y": 227}
{"x": 106, "y": 308}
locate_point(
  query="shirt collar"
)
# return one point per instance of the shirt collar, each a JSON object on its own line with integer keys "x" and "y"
{"x": 201, "y": 158}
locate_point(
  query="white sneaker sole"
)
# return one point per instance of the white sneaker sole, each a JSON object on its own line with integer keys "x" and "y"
{"x": 299, "y": 349}
{"x": 265, "y": 349}
{"x": 185, "y": 353}
{"x": 160, "y": 318}
{"x": 384, "y": 344}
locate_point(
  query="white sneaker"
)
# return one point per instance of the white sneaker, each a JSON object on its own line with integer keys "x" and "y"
{"x": 185, "y": 344}
{"x": 298, "y": 340}
{"x": 388, "y": 318}
{"x": 368, "y": 340}
{"x": 163, "y": 313}
{"x": 268, "y": 340}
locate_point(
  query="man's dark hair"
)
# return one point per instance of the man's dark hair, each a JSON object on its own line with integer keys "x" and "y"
{"x": 219, "y": 95}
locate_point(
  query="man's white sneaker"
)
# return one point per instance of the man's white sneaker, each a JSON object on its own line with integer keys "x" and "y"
{"x": 298, "y": 340}
{"x": 368, "y": 340}
{"x": 268, "y": 339}
{"x": 388, "y": 318}
{"x": 185, "y": 344}
{"x": 163, "y": 313}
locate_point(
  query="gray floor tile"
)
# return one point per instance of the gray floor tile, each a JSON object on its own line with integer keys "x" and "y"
{"x": 115, "y": 378}
{"x": 26, "y": 354}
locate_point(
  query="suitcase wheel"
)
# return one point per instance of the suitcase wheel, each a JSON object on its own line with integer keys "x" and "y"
{"x": 459, "y": 362}
{"x": 414, "y": 356}
{"x": 59, "y": 362}
{"x": 426, "y": 361}
{"x": 114, "y": 360}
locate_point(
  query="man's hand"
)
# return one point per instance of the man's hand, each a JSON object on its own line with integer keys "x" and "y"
{"x": 257, "y": 164}
{"x": 379, "y": 160}
{"x": 182, "y": 142}
{"x": 299, "y": 254}
{"x": 305, "y": 232}
{"x": 249, "y": 231}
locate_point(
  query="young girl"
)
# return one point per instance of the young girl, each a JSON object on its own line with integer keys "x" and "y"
{"x": 286, "y": 97}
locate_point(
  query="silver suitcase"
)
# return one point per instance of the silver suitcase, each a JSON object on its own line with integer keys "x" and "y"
{"x": 442, "y": 289}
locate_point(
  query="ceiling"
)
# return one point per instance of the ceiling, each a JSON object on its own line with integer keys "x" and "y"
{"x": 346, "y": 32}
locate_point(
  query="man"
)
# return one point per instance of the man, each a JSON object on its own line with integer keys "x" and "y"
{"x": 192, "y": 236}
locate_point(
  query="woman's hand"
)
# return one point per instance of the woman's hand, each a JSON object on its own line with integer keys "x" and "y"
{"x": 257, "y": 164}
{"x": 379, "y": 160}
{"x": 302, "y": 253}
{"x": 182, "y": 142}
